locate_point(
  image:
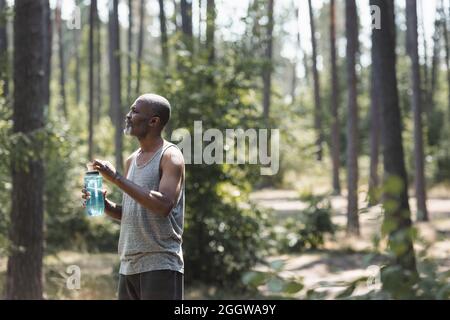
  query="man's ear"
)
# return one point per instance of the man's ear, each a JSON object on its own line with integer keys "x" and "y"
{"x": 154, "y": 121}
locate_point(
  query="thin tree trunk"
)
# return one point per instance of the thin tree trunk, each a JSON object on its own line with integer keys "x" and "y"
{"x": 211, "y": 29}
{"x": 397, "y": 216}
{"x": 267, "y": 72}
{"x": 426, "y": 80}
{"x": 76, "y": 40}
{"x": 24, "y": 270}
{"x": 62, "y": 68}
{"x": 130, "y": 49}
{"x": 416, "y": 103}
{"x": 351, "y": 23}
{"x": 434, "y": 63}
{"x": 374, "y": 133}
{"x": 186, "y": 23}
{"x": 295, "y": 63}
{"x": 140, "y": 47}
{"x": 335, "y": 141}
{"x": 447, "y": 54}
{"x": 175, "y": 18}
{"x": 163, "y": 28}
{"x": 316, "y": 80}
{"x": 98, "y": 74}
{"x": 4, "y": 48}
{"x": 115, "y": 81}
{"x": 48, "y": 53}
{"x": 93, "y": 9}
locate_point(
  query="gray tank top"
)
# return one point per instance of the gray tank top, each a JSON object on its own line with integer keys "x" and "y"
{"x": 149, "y": 241}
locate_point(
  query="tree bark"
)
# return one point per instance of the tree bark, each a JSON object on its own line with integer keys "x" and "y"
{"x": 186, "y": 23}
{"x": 447, "y": 53}
{"x": 98, "y": 63}
{"x": 93, "y": 9}
{"x": 163, "y": 28}
{"x": 416, "y": 103}
{"x": 4, "y": 48}
{"x": 351, "y": 23}
{"x": 316, "y": 80}
{"x": 434, "y": 63}
{"x": 140, "y": 47}
{"x": 335, "y": 141}
{"x": 211, "y": 29}
{"x": 374, "y": 133}
{"x": 76, "y": 43}
{"x": 267, "y": 72}
{"x": 397, "y": 217}
{"x": 24, "y": 270}
{"x": 62, "y": 67}
{"x": 115, "y": 81}
{"x": 130, "y": 49}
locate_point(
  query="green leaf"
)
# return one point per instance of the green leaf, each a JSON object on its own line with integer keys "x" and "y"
{"x": 254, "y": 278}
{"x": 293, "y": 287}
{"x": 275, "y": 284}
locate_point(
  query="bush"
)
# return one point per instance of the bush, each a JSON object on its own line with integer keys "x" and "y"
{"x": 306, "y": 231}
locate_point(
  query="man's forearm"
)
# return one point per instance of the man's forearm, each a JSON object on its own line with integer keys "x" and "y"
{"x": 113, "y": 210}
{"x": 150, "y": 199}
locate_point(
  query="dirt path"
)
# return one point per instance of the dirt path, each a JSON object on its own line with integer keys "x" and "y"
{"x": 346, "y": 258}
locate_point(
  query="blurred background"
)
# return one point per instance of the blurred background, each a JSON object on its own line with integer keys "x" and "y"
{"x": 360, "y": 208}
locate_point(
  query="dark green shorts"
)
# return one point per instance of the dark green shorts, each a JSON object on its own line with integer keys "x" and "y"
{"x": 152, "y": 285}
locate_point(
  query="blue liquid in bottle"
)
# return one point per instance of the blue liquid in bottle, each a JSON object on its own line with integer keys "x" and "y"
{"x": 95, "y": 206}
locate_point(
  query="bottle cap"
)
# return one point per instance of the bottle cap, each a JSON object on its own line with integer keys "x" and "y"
{"x": 90, "y": 168}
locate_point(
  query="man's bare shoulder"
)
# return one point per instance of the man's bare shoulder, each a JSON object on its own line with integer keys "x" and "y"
{"x": 173, "y": 157}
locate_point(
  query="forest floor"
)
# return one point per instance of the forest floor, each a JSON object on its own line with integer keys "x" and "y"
{"x": 341, "y": 260}
{"x": 345, "y": 258}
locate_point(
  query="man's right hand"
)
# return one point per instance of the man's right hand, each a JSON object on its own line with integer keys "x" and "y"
{"x": 85, "y": 195}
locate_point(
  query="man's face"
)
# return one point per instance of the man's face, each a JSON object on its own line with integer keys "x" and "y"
{"x": 139, "y": 120}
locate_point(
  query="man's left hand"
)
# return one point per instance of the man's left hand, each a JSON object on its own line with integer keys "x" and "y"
{"x": 106, "y": 169}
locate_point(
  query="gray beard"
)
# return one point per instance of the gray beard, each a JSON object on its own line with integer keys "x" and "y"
{"x": 127, "y": 130}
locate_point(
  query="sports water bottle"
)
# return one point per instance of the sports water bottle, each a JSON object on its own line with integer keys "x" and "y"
{"x": 95, "y": 205}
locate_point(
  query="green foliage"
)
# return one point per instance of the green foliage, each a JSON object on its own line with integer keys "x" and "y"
{"x": 277, "y": 285}
{"x": 306, "y": 231}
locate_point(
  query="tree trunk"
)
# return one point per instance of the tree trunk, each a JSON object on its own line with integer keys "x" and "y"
{"x": 130, "y": 49}
{"x": 62, "y": 68}
{"x": 163, "y": 28}
{"x": 115, "y": 81}
{"x": 374, "y": 133}
{"x": 316, "y": 80}
{"x": 351, "y": 30}
{"x": 416, "y": 103}
{"x": 24, "y": 270}
{"x": 4, "y": 48}
{"x": 76, "y": 40}
{"x": 140, "y": 47}
{"x": 48, "y": 53}
{"x": 426, "y": 80}
{"x": 175, "y": 18}
{"x": 186, "y": 23}
{"x": 397, "y": 217}
{"x": 335, "y": 141}
{"x": 267, "y": 71}
{"x": 434, "y": 70}
{"x": 447, "y": 54}
{"x": 211, "y": 29}
{"x": 98, "y": 73}
{"x": 93, "y": 9}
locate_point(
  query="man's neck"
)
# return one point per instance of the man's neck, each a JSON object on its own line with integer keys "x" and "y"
{"x": 151, "y": 143}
